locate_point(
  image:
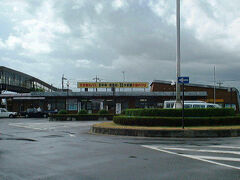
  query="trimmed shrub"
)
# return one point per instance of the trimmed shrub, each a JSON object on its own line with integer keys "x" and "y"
{"x": 194, "y": 112}
{"x": 62, "y": 111}
{"x": 103, "y": 111}
{"x": 83, "y": 111}
{"x": 123, "y": 112}
{"x": 176, "y": 121}
{"x": 79, "y": 117}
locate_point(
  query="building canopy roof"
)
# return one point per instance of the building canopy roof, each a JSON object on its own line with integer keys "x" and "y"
{"x": 102, "y": 94}
{"x": 194, "y": 85}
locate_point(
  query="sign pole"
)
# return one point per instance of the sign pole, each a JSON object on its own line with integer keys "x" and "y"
{"x": 183, "y": 80}
{"x": 183, "y": 106}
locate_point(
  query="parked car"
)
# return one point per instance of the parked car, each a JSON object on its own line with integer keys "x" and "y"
{"x": 5, "y": 113}
{"x": 49, "y": 112}
{"x": 33, "y": 113}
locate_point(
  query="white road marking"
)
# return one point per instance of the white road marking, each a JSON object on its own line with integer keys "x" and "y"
{"x": 31, "y": 126}
{"x": 192, "y": 157}
{"x": 218, "y": 158}
{"x": 202, "y": 150}
{"x": 51, "y": 125}
{"x": 227, "y": 147}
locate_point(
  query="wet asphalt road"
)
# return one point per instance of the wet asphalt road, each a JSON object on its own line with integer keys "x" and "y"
{"x": 38, "y": 149}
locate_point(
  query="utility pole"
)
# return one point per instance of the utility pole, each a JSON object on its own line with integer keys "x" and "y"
{"x": 63, "y": 78}
{"x": 123, "y": 76}
{"x": 219, "y": 83}
{"x": 68, "y": 83}
{"x": 123, "y": 79}
{"x": 97, "y": 79}
{"x": 214, "y": 82}
{"x": 178, "y": 100}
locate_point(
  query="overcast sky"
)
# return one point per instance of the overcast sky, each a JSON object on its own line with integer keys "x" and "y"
{"x": 85, "y": 38}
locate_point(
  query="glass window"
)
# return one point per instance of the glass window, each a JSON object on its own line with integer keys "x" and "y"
{"x": 72, "y": 107}
{"x": 187, "y": 106}
{"x": 196, "y": 106}
{"x": 89, "y": 105}
{"x": 72, "y": 104}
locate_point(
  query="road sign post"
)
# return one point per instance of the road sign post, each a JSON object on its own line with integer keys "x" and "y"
{"x": 183, "y": 80}
{"x": 183, "y": 106}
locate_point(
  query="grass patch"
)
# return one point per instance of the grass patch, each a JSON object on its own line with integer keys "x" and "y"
{"x": 176, "y": 121}
{"x": 116, "y": 126}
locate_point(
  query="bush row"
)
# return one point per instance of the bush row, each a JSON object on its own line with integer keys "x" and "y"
{"x": 80, "y": 117}
{"x": 194, "y": 112}
{"x": 176, "y": 121}
{"x": 103, "y": 111}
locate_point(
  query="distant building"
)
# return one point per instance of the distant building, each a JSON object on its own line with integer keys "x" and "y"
{"x": 93, "y": 101}
{"x": 225, "y": 96}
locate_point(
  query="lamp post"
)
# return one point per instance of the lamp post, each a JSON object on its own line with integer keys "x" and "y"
{"x": 178, "y": 100}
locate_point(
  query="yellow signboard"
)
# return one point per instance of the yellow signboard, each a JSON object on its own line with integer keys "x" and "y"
{"x": 212, "y": 100}
{"x": 216, "y": 100}
{"x": 112, "y": 84}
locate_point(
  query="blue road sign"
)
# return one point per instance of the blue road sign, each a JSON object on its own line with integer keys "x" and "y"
{"x": 183, "y": 80}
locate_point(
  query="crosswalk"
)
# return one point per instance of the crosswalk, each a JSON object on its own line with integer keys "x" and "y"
{"x": 51, "y": 125}
{"x": 225, "y": 156}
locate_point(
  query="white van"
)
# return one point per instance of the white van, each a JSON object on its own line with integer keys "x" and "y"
{"x": 190, "y": 104}
{"x": 5, "y": 113}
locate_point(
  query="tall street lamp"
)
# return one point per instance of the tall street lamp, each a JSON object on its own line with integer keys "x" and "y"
{"x": 178, "y": 100}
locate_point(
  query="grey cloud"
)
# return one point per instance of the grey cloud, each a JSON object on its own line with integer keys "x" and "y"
{"x": 133, "y": 39}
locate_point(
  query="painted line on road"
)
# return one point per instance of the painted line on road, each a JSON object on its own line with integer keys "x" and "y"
{"x": 202, "y": 150}
{"x": 24, "y": 126}
{"x": 191, "y": 157}
{"x": 227, "y": 147}
{"x": 218, "y": 158}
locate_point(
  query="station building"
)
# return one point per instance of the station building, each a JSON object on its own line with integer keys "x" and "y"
{"x": 93, "y": 101}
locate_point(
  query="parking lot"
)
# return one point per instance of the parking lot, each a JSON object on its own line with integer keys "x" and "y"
{"x": 39, "y": 149}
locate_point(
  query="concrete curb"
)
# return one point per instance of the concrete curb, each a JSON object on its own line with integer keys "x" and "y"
{"x": 166, "y": 133}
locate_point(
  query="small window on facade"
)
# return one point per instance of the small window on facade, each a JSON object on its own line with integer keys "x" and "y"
{"x": 196, "y": 106}
{"x": 187, "y": 106}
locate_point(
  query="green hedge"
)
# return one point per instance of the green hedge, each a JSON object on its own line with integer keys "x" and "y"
{"x": 176, "y": 121}
{"x": 80, "y": 117}
{"x": 195, "y": 112}
{"x": 62, "y": 111}
{"x": 103, "y": 111}
{"x": 83, "y": 111}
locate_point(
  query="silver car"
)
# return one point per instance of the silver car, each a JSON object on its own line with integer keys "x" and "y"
{"x": 5, "y": 113}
